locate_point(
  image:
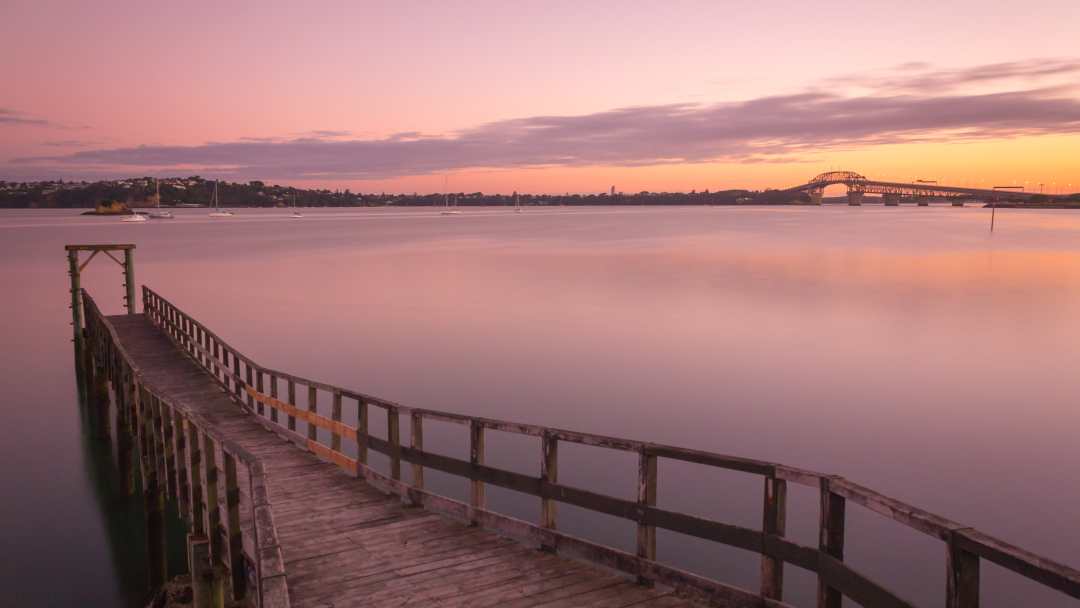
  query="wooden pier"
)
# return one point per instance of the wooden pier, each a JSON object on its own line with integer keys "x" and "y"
{"x": 272, "y": 479}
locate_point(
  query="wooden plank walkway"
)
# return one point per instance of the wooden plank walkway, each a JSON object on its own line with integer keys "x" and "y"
{"x": 283, "y": 508}
{"x": 344, "y": 543}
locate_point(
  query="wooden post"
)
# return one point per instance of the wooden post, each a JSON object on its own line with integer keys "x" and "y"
{"x": 129, "y": 279}
{"x": 165, "y": 416}
{"x": 292, "y": 402}
{"x": 232, "y": 527}
{"x": 393, "y": 435}
{"x": 197, "y": 341}
{"x": 416, "y": 440}
{"x": 140, "y": 441}
{"x": 646, "y": 534}
{"x": 962, "y": 578}
{"x": 183, "y": 490}
{"x": 774, "y": 523}
{"x": 76, "y": 299}
{"x": 152, "y": 503}
{"x": 236, "y": 376}
{"x": 225, "y": 376}
{"x": 476, "y": 457}
{"x": 549, "y": 474}
{"x": 273, "y": 393}
{"x": 195, "y": 480}
{"x": 259, "y": 388}
{"x": 212, "y": 515}
{"x": 361, "y": 432}
{"x": 312, "y": 406}
{"x": 126, "y": 425}
{"x": 248, "y": 381}
{"x": 159, "y": 443}
{"x": 335, "y": 415}
{"x": 217, "y": 357}
{"x": 830, "y": 540}
{"x": 99, "y": 410}
{"x": 202, "y": 571}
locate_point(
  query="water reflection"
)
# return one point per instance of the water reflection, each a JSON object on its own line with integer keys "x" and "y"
{"x": 906, "y": 349}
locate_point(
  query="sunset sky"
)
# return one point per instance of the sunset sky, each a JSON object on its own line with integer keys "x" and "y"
{"x": 543, "y": 96}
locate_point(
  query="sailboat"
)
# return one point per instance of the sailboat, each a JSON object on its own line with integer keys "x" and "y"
{"x": 215, "y": 204}
{"x": 295, "y": 211}
{"x": 158, "y": 214}
{"x": 447, "y": 209}
{"x": 517, "y": 202}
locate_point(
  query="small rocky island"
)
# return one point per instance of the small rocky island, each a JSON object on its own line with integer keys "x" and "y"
{"x": 109, "y": 208}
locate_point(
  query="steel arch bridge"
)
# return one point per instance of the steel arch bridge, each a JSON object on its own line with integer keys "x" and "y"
{"x": 859, "y": 185}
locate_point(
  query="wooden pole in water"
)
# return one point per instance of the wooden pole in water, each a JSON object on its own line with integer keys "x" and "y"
{"x": 129, "y": 279}
{"x": 76, "y": 299}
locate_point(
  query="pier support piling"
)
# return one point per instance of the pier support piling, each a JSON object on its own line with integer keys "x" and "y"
{"x": 202, "y": 572}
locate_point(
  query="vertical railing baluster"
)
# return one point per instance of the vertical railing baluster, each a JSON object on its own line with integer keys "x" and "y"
{"x": 259, "y": 389}
{"x": 312, "y": 406}
{"x": 774, "y": 524}
{"x": 272, "y": 379}
{"x": 226, "y": 378}
{"x": 335, "y": 415}
{"x": 476, "y": 457}
{"x": 549, "y": 474}
{"x": 361, "y": 432}
{"x": 236, "y": 374}
{"x": 200, "y": 336}
{"x": 646, "y": 533}
{"x": 830, "y": 540}
{"x": 393, "y": 435}
{"x": 292, "y": 402}
{"x": 250, "y": 383}
{"x": 218, "y": 372}
{"x": 416, "y": 440}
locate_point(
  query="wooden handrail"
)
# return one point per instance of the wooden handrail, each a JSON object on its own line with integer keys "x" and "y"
{"x": 175, "y": 428}
{"x": 836, "y": 578}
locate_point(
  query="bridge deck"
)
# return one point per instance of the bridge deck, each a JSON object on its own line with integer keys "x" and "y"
{"x": 345, "y": 543}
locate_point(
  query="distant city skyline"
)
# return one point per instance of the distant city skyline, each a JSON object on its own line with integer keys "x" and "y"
{"x": 545, "y": 97}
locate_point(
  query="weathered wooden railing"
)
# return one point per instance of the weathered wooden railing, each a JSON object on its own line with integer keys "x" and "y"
{"x": 257, "y": 389}
{"x": 180, "y": 452}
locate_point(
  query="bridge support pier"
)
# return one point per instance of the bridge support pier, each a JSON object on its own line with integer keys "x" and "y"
{"x": 815, "y": 197}
{"x": 958, "y": 203}
{"x": 854, "y": 198}
{"x": 923, "y": 202}
{"x": 891, "y": 200}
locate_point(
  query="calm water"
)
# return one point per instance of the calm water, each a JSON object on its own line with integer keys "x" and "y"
{"x": 905, "y": 348}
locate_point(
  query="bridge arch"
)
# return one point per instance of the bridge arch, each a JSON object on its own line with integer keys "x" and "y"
{"x": 855, "y": 182}
{"x": 848, "y": 178}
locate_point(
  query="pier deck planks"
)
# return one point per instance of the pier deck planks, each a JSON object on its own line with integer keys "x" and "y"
{"x": 348, "y": 544}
